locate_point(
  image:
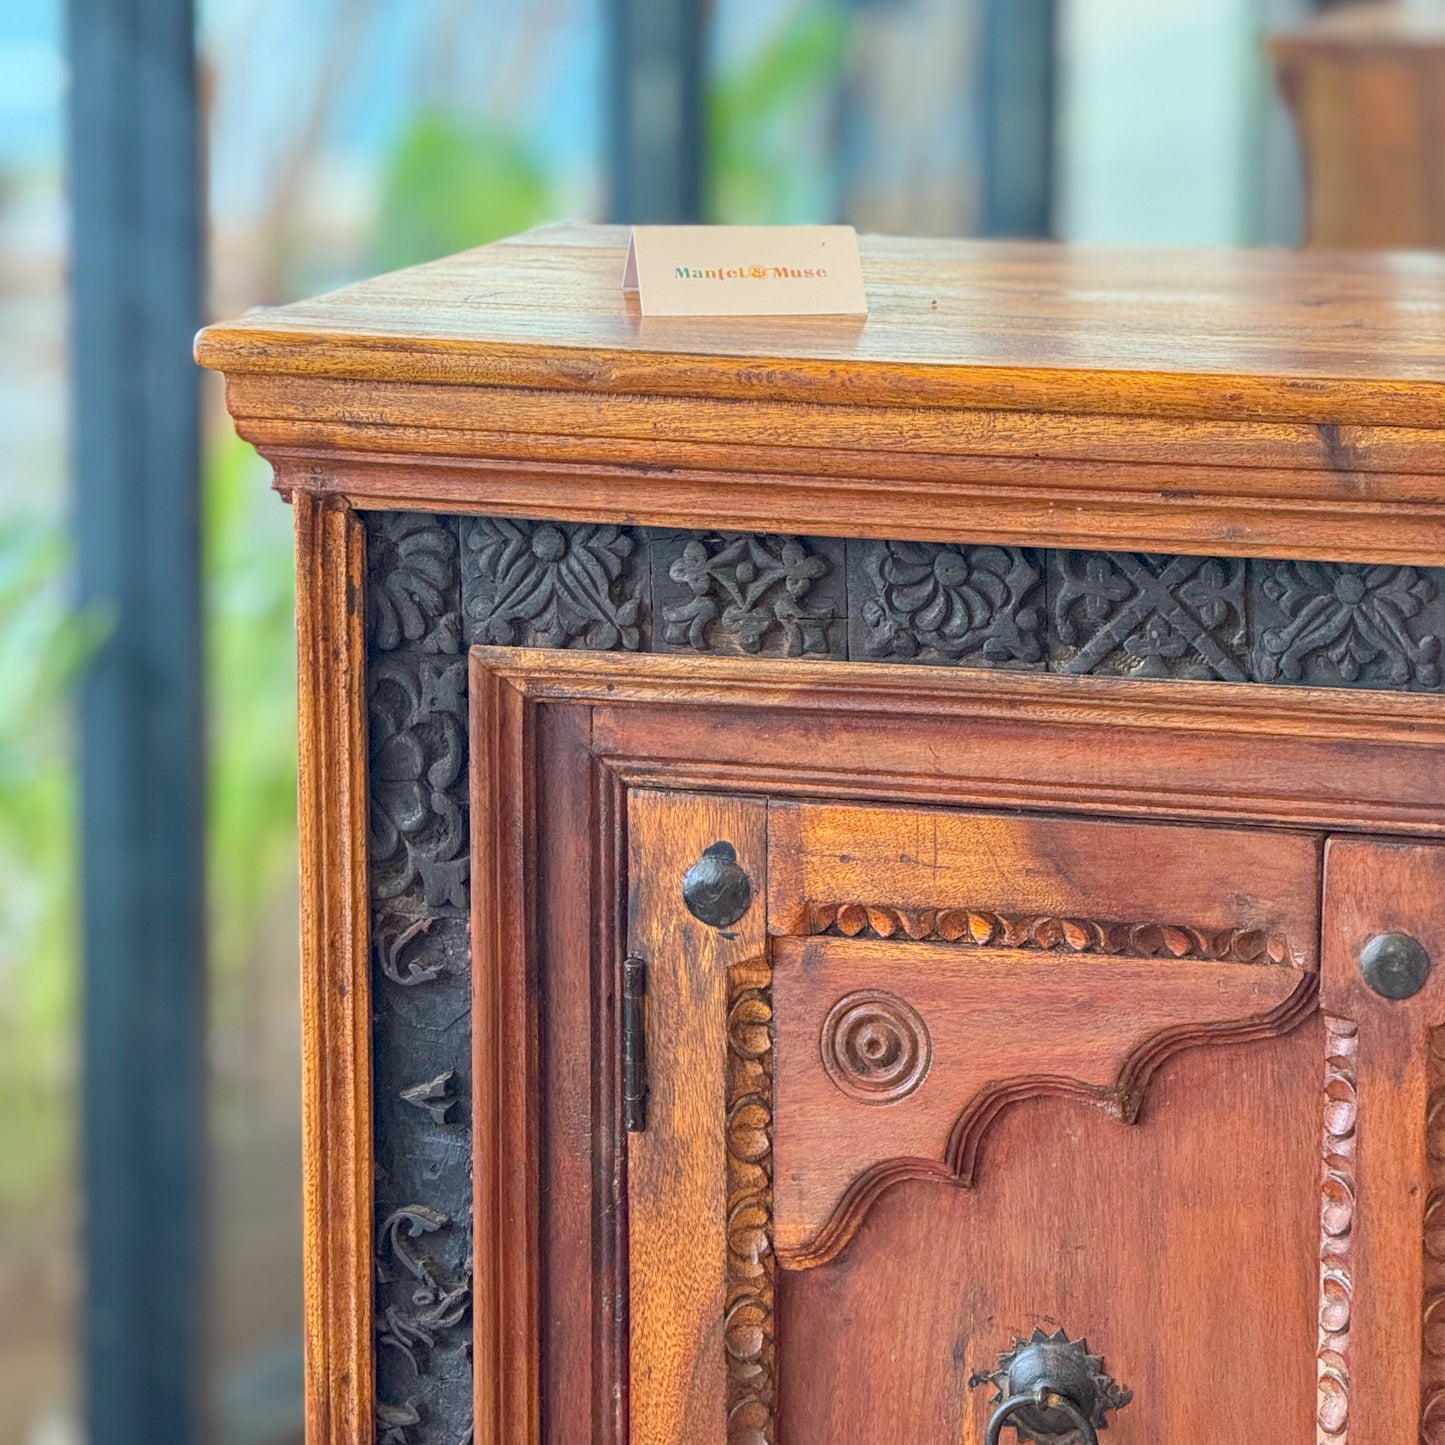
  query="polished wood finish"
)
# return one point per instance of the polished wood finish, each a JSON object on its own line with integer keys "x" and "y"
{"x": 1366, "y": 83}
{"x": 1201, "y": 1234}
{"x": 1256, "y": 403}
{"x": 336, "y": 1109}
{"x": 1111, "y": 922}
{"x": 677, "y": 1187}
{"x": 1383, "y": 1192}
{"x": 1034, "y": 946}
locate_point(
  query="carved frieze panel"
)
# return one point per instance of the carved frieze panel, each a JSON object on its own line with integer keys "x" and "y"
{"x": 554, "y": 584}
{"x": 412, "y": 566}
{"x": 1132, "y": 614}
{"x": 935, "y": 602}
{"x": 1347, "y": 625}
{"x": 418, "y": 777}
{"x": 735, "y": 592}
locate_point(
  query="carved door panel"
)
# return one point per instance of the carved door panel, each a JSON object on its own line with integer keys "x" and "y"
{"x": 924, "y": 1083}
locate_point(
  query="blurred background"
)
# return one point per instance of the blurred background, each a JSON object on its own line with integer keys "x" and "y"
{"x": 335, "y": 139}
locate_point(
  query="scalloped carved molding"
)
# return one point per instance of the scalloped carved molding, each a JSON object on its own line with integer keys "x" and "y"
{"x": 1337, "y": 1217}
{"x": 979, "y": 928}
{"x": 748, "y": 1334}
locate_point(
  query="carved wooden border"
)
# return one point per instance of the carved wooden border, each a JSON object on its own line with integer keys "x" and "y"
{"x": 748, "y": 1329}
{"x": 1337, "y": 1218}
{"x": 1432, "y": 1380}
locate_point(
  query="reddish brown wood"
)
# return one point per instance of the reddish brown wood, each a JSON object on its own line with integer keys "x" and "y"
{"x": 506, "y": 1344}
{"x": 1204, "y": 881}
{"x": 1201, "y": 1242}
{"x": 1120, "y": 905}
{"x": 1381, "y": 1184}
{"x": 997, "y": 1029}
{"x": 335, "y": 974}
{"x": 688, "y": 1304}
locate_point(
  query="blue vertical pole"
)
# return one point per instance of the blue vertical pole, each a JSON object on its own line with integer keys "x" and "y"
{"x": 657, "y": 123}
{"x": 136, "y": 211}
{"x": 1018, "y": 84}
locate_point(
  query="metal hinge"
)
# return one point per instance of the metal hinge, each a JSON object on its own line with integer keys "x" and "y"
{"x": 634, "y": 1044}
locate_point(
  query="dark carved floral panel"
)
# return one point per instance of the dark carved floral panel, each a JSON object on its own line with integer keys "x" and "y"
{"x": 1128, "y": 613}
{"x": 437, "y": 583}
{"x": 936, "y": 602}
{"x": 734, "y": 592}
{"x": 421, "y": 983}
{"x": 1342, "y": 624}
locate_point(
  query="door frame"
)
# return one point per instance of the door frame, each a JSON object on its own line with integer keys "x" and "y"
{"x": 557, "y": 740}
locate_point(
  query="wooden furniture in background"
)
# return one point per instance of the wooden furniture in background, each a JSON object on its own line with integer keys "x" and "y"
{"x": 836, "y": 852}
{"x": 1366, "y": 84}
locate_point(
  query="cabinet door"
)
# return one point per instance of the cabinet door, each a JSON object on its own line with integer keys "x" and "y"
{"x": 929, "y": 1088}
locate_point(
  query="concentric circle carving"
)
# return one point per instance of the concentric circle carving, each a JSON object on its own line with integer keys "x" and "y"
{"x": 876, "y": 1047}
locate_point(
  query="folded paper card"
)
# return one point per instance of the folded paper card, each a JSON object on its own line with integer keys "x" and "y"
{"x": 746, "y": 271}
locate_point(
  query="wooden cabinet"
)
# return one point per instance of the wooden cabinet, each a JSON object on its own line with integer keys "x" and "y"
{"x": 860, "y": 897}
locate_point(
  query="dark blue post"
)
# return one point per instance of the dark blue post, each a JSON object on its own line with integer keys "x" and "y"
{"x": 1017, "y": 92}
{"x": 657, "y": 137}
{"x": 135, "y": 181}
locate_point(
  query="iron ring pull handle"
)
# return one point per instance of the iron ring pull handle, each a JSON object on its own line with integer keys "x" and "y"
{"x": 1043, "y": 1399}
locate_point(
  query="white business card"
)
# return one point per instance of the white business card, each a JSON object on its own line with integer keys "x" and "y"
{"x": 746, "y": 271}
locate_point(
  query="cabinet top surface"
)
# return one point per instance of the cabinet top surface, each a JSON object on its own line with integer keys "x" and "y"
{"x": 1016, "y": 325}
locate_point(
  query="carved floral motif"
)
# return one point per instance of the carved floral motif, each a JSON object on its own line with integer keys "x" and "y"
{"x": 1149, "y": 616}
{"x": 937, "y": 602}
{"x": 748, "y": 1321}
{"x": 413, "y": 595}
{"x": 551, "y": 584}
{"x": 979, "y": 928}
{"x": 1337, "y": 1217}
{"x": 425, "y": 1305}
{"x": 418, "y": 777}
{"x": 751, "y": 592}
{"x": 1342, "y": 622}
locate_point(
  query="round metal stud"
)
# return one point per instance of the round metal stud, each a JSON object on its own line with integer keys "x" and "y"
{"x": 715, "y": 888}
{"x": 1395, "y": 965}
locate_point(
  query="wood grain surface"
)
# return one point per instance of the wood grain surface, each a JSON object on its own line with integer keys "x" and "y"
{"x": 951, "y": 323}
{"x": 1210, "y": 879}
{"x": 1382, "y": 1203}
{"x": 677, "y": 1177}
{"x": 1003, "y": 1028}
{"x": 336, "y": 1105}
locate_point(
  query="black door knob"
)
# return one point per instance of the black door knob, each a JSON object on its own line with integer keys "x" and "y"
{"x": 715, "y": 888}
{"x": 1395, "y": 965}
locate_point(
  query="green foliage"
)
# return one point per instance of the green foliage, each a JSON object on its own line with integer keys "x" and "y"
{"x": 451, "y": 184}
{"x": 758, "y": 174}
{"x": 251, "y": 697}
{"x": 43, "y": 644}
